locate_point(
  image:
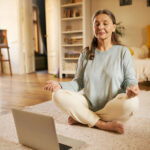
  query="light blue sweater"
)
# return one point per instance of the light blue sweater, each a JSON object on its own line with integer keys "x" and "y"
{"x": 109, "y": 74}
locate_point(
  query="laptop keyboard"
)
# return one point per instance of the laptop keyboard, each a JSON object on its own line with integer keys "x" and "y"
{"x": 64, "y": 147}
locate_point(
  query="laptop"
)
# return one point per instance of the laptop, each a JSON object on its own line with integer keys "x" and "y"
{"x": 38, "y": 131}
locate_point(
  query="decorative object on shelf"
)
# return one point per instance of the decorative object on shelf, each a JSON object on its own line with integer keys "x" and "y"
{"x": 69, "y": 1}
{"x": 73, "y": 1}
{"x": 73, "y": 40}
{"x": 3, "y": 37}
{"x": 76, "y": 13}
{"x": 77, "y": 1}
{"x": 148, "y": 2}
{"x": 71, "y": 12}
{"x": 67, "y": 40}
{"x": 72, "y": 54}
{"x": 125, "y": 2}
{"x": 77, "y": 40}
{"x": 4, "y": 45}
{"x": 68, "y": 28}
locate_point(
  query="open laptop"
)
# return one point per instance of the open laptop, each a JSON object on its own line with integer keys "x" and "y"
{"x": 38, "y": 132}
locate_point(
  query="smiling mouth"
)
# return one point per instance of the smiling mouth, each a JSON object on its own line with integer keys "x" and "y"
{"x": 101, "y": 33}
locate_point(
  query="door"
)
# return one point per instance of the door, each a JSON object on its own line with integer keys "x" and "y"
{"x": 27, "y": 41}
{"x": 52, "y": 31}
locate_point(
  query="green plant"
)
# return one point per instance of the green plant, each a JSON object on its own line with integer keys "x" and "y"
{"x": 120, "y": 29}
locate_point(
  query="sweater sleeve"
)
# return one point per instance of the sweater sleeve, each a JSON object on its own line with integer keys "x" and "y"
{"x": 129, "y": 70}
{"x": 77, "y": 83}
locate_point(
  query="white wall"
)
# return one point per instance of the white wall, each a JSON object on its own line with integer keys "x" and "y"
{"x": 9, "y": 21}
{"x": 134, "y": 17}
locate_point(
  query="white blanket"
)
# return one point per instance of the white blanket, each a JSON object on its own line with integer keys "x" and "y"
{"x": 142, "y": 62}
{"x": 142, "y": 68}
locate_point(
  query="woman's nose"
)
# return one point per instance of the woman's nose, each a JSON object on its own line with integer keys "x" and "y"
{"x": 100, "y": 26}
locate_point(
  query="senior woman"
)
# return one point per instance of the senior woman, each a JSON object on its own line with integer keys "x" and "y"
{"x": 106, "y": 74}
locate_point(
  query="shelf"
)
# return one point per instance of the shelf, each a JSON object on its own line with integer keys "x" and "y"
{"x": 70, "y": 32}
{"x": 77, "y": 37}
{"x": 70, "y": 58}
{"x": 68, "y": 72}
{"x": 72, "y": 45}
{"x": 74, "y": 33}
{"x": 71, "y": 18}
{"x": 72, "y": 5}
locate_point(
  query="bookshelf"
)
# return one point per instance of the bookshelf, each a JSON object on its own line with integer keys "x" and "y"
{"x": 74, "y": 33}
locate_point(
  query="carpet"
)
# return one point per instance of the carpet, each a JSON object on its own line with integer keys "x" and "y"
{"x": 136, "y": 136}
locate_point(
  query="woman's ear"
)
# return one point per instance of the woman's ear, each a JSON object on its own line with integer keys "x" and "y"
{"x": 114, "y": 27}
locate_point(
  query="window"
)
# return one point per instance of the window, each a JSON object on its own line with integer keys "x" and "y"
{"x": 35, "y": 29}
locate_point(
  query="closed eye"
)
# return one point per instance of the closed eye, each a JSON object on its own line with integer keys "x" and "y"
{"x": 97, "y": 24}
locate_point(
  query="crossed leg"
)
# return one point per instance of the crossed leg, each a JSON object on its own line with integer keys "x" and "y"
{"x": 107, "y": 118}
{"x": 110, "y": 126}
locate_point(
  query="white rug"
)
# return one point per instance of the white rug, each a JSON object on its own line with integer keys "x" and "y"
{"x": 136, "y": 136}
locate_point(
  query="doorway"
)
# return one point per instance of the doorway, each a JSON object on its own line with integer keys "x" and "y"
{"x": 39, "y": 32}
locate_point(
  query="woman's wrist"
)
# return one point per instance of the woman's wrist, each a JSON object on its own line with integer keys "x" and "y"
{"x": 132, "y": 91}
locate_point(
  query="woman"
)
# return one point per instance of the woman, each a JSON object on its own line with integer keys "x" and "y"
{"x": 106, "y": 74}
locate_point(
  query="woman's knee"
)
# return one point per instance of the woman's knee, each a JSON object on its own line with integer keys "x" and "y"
{"x": 119, "y": 108}
{"x": 127, "y": 104}
{"x": 130, "y": 107}
{"x": 132, "y": 104}
{"x": 64, "y": 97}
{"x": 57, "y": 96}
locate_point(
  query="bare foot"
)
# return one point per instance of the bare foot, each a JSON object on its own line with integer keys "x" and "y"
{"x": 110, "y": 126}
{"x": 71, "y": 121}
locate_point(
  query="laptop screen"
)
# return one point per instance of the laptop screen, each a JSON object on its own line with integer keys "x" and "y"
{"x": 38, "y": 131}
{"x": 64, "y": 147}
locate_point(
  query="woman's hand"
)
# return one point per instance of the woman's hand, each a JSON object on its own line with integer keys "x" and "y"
{"x": 132, "y": 91}
{"x": 52, "y": 86}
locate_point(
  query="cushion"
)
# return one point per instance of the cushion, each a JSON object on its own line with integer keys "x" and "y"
{"x": 131, "y": 51}
{"x": 140, "y": 52}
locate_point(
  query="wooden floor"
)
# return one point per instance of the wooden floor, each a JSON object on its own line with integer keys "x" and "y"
{"x": 20, "y": 91}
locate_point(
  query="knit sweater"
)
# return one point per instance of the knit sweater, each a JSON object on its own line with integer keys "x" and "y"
{"x": 101, "y": 79}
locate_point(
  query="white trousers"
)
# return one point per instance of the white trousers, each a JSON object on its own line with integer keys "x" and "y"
{"x": 75, "y": 104}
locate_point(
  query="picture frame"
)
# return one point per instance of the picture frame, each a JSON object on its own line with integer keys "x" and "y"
{"x": 148, "y": 3}
{"x": 125, "y": 2}
{"x": 3, "y": 37}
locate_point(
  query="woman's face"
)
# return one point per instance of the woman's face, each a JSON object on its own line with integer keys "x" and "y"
{"x": 103, "y": 27}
